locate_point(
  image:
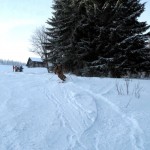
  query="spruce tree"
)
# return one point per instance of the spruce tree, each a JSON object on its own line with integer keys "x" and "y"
{"x": 99, "y": 37}
{"x": 60, "y": 33}
{"x": 127, "y": 40}
{"x": 120, "y": 39}
{"x": 52, "y": 46}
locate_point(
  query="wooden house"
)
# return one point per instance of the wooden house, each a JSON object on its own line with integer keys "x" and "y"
{"x": 35, "y": 62}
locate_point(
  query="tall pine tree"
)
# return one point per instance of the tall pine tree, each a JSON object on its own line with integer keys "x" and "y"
{"x": 127, "y": 40}
{"x": 99, "y": 37}
{"x": 62, "y": 26}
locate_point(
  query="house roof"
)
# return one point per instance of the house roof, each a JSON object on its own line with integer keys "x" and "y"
{"x": 36, "y": 59}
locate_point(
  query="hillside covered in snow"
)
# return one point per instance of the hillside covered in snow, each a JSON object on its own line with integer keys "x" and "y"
{"x": 39, "y": 113}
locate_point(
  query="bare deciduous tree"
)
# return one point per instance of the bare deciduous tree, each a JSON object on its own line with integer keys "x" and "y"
{"x": 37, "y": 40}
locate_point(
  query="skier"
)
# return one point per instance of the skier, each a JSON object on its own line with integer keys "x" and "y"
{"x": 59, "y": 71}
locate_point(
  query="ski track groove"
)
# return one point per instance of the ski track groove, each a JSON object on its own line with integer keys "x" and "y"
{"x": 79, "y": 108}
{"x": 60, "y": 113}
{"x": 55, "y": 102}
{"x": 135, "y": 130}
{"x": 67, "y": 124}
{"x": 71, "y": 99}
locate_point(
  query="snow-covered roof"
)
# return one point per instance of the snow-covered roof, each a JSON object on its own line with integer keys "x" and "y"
{"x": 36, "y": 59}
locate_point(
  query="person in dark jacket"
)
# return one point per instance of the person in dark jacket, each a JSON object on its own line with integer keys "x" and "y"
{"x": 59, "y": 71}
{"x": 21, "y": 68}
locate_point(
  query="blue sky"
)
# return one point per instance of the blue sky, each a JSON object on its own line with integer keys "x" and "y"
{"x": 145, "y": 16}
{"x": 19, "y": 20}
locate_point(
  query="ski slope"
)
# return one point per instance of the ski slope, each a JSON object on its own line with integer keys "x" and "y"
{"x": 39, "y": 113}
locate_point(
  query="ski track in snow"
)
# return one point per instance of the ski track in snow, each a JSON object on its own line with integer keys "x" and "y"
{"x": 75, "y": 125}
{"x": 74, "y": 109}
{"x": 128, "y": 124}
{"x": 124, "y": 125}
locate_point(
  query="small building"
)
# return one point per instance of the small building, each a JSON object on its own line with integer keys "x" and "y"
{"x": 35, "y": 62}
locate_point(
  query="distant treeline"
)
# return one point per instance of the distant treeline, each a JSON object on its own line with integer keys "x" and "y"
{"x": 10, "y": 62}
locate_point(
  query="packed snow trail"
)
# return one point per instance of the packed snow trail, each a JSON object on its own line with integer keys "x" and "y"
{"x": 38, "y": 113}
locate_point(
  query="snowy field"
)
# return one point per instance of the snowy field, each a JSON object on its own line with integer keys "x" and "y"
{"x": 37, "y": 112}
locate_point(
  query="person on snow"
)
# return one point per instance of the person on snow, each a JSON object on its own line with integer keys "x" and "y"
{"x": 59, "y": 71}
{"x": 21, "y": 68}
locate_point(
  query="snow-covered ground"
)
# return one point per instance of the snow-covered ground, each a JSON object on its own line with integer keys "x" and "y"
{"x": 39, "y": 113}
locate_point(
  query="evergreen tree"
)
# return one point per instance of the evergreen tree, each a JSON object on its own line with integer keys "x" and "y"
{"x": 99, "y": 37}
{"x": 68, "y": 41}
{"x": 92, "y": 35}
{"x": 127, "y": 39}
{"x": 53, "y": 32}
{"x": 60, "y": 32}
{"x": 119, "y": 39}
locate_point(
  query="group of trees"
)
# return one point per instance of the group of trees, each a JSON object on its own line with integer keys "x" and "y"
{"x": 10, "y": 62}
{"x": 95, "y": 38}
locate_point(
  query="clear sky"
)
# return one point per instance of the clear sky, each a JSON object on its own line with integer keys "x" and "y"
{"x": 18, "y": 21}
{"x": 145, "y": 16}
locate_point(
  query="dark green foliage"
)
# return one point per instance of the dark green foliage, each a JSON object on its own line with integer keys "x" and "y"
{"x": 98, "y": 38}
{"x": 61, "y": 32}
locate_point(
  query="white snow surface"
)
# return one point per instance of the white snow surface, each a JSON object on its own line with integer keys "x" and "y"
{"x": 37, "y": 112}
